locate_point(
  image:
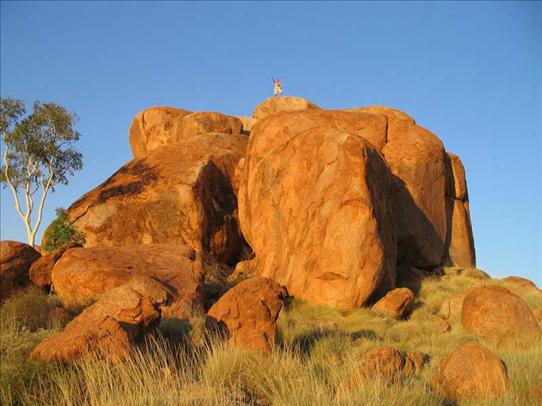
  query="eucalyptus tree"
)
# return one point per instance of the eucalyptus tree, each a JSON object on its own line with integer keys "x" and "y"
{"x": 38, "y": 154}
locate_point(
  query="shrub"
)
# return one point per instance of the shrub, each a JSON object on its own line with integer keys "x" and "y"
{"x": 62, "y": 232}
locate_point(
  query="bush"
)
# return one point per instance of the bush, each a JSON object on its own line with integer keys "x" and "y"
{"x": 62, "y": 232}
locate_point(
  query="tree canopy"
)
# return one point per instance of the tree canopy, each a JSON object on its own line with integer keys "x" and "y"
{"x": 38, "y": 154}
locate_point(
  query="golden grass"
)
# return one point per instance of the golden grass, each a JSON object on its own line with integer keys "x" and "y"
{"x": 317, "y": 349}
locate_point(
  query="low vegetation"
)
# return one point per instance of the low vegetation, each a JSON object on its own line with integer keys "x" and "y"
{"x": 317, "y": 349}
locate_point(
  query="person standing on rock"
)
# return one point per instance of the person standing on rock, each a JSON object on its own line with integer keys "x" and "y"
{"x": 277, "y": 91}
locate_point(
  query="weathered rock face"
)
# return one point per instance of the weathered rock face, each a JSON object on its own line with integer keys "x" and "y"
{"x": 153, "y": 128}
{"x": 522, "y": 283}
{"x": 15, "y": 260}
{"x": 111, "y": 326}
{"x": 471, "y": 371}
{"x": 289, "y": 124}
{"x": 315, "y": 207}
{"x": 398, "y": 303}
{"x": 40, "y": 272}
{"x": 248, "y": 123}
{"x": 284, "y": 103}
{"x": 500, "y": 316}
{"x": 157, "y": 127}
{"x": 416, "y": 158}
{"x": 460, "y": 241}
{"x": 248, "y": 312}
{"x": 180, "y": 194}
{"x": 85, "y": 274}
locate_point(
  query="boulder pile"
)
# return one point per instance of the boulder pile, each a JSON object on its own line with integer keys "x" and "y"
{"x": 329, "y": 206}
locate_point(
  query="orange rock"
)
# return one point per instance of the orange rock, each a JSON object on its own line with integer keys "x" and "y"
{"x": 393, "y": 115}
{"x": 459, "y": 242}
{"x": 41, "y": 270}
{"x": 315, "y": 208}
{"x": 154, "y": 128}
{"x": 15, "y": 260}
{"x": 247, "y": 313}
{"x": 416, "y": 158}
{"x": 497, "y": 314}
{"x": 537, "y": 313}
{"x": 414, "y": 363}
{"x": 157, "y": 127}
{"x": 180, "y": 194}
{"x": 109, "y": 327}
{"x": 471, "y": 371}
{"x": 209, "y": 122}
{"x": 282, "y": 127}
{"x": 85, "y": 274}
{"x": 248, "y": 123}
{"x": 441, "y": 325}
{"x": 385, "y": 364}
{"x": 397, "y": 303}
{"x": 285, "y": 103}
{"x": 522, "y": 283}
{"x": 453, "y": 306}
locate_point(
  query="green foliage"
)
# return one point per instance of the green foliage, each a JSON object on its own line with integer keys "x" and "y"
{"x": 62, "y": 232}
{"x": 38, "y": 154}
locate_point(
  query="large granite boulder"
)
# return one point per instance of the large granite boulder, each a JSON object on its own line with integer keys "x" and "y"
{"x": 179, "y": 194}
{"x": 84, "y": 275}
{"x": 15, "y": 261}
{"x": 471, "y": 372}
{"x": 157, "y": 127}
{"x": 111, "y": 326}
{"x": 314, "y": 205}
{"x": 41, "y": 271}
{"x": 498, "y": 315}
{"x": 284, "y": 103}
{"x": 416, "y": 158}
{"x": 247, "y": 314}
{"x": 153, "y": 128}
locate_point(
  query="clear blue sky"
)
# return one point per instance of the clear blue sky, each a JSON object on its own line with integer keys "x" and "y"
{"x": 470, "y": 72}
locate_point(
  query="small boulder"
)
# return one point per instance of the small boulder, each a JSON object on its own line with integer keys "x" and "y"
{"x": 498, "y": 315}
{"x": 397, "y": 303}
{"x": 471, "y": 371}
{"x": 15, "y": 261}
{"x": 109, "y": 327}
{"x": 386, "y": 364}
{"x": 41, "y": 270}
{"x": 276, "y": 104}
{"x": 440, "y": 325}
{"x": 414, "y": 363}
{"x": 246, "y": 314}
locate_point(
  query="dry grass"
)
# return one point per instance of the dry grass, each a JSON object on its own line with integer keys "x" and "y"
{"x": 317, "y": 349}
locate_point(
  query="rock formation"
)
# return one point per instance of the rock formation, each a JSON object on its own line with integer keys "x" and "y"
{"x": 84, "y": 275}
{"x": 328, "y": 236}
{"x": 471, "y": 371}
{"x": 111, "y": 326}
{"x": 246, "y": 315}
{"x": 41, "y": 271}
{"x": 459, "y": 241}
{"x": 180, "y": 194}
{"x": 286, "y": 103}
{"x": 15, "y": 261}
{"x": 397, "y": 303}
{"x": 497, "y": 314}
